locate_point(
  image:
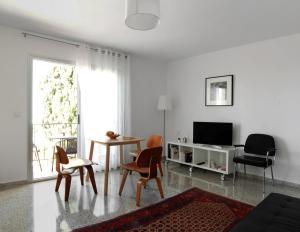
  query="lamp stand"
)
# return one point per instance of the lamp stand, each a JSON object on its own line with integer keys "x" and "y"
{"x": 164, "y": 137}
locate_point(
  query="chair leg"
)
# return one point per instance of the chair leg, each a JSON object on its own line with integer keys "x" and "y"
{"x": 234, "y": 173}
{"x": 245, "y": 169}
{"x": 68, "y": 186}
{"x": 160, "y": 169}
{"x": 92, "y": 178}
{"x": 272, "y": 175}
{"x": 130, "y": 172}
{"x": 58, "y": 181}
{"x": 158, "y": 181}
{"x": 123, "y": 181}
{"x": 264, "y": 180}
{"x": 138, "y": 192}
{"x": 81, "y": 175}
{"x": 37, "y": 156}
{"x": 53, "y": 159}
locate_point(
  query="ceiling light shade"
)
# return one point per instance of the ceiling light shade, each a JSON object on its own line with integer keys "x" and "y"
{"x": 142, "y": 14}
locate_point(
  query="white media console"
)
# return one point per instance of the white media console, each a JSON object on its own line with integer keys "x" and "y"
{"x": 212, "y": 158}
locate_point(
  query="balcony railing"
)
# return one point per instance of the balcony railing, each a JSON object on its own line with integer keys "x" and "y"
{"x": 44, "y": 136}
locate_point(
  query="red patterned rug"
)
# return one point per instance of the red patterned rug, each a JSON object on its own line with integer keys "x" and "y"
{"x": 192, "y": 210}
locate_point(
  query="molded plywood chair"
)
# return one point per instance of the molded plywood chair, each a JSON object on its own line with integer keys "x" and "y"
{"x": 259, "y": 151}
{"x": 146, "y": 166}
{"x": 65, "y": 168}
{"x": 152, "y": 141}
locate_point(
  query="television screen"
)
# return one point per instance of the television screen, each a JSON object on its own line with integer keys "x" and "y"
{"x": 213, "y": 133}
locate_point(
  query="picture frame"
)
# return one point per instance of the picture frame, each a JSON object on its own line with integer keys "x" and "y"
{"x": 219, "y": 91}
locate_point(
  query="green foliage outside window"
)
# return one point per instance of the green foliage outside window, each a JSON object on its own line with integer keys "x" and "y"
{"x": 60, "y": 102}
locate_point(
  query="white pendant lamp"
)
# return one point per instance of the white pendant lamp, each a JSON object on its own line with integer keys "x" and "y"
{"x": 142, "y": 14}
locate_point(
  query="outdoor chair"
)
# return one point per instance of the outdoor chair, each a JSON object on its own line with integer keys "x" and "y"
{"x": 36, "y": 152}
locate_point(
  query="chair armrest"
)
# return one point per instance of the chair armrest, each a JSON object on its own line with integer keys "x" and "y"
{"x": 270, "y": 150}
{"x": 239, "y": 145}
{"x": 236, "y": 146}
{"x": 133, "y": 153}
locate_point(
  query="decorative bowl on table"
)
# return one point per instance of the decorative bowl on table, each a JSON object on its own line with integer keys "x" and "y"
{"x": 112, "y": 135}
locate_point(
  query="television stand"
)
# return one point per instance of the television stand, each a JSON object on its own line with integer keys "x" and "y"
{"x": 215, "y": 146}
{"x": 208, "y": 157}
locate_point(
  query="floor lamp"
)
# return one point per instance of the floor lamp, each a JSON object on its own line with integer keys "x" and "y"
{"x": 164, "y": 104}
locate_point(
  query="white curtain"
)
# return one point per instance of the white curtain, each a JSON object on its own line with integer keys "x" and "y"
{"x": 104, "y": 100}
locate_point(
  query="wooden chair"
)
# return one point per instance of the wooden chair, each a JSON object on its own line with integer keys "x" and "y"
{"x": 146, "y": 166}
{"x": 152, "y": 141}
{"x": 65, "y": 168}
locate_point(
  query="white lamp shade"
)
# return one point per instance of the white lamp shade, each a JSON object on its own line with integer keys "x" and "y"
{"x": 142, "y": 14}
{"x": 164, "y": 103}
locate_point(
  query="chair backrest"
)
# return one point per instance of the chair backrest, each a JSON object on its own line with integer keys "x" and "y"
{"x": 61, "y": 155}
{"x": 71, "y": 146}
{"x": 149, "y": 158}
{"x": 34, "y": 147}
{"x": 259, "y": 144}
{"x": 154, "y": 141}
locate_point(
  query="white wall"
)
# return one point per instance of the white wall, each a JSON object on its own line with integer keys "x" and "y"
{"x": 15, "y": 100}
{"x": 147, "y": 83}
{"x": 15, "y": 53}
{"x": 266, "y": 96}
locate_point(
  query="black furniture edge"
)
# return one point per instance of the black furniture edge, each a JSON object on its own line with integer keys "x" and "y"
{"x": 276, "y": 213}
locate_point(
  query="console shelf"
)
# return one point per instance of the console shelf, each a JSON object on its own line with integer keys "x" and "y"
{"x": 212, "y": 158}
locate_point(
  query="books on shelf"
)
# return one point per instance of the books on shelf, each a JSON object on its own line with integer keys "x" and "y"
{"x": 174, "y": 152}
{"x": 204, "y": 157}
{"x": 189, "y": 157}
{"x": 215, "y": 165}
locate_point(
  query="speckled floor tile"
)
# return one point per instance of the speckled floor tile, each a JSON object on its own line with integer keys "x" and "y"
{"x": 36, "y": 207}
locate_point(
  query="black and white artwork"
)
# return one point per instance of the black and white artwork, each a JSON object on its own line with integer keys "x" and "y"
{"x": 219, "y": 91}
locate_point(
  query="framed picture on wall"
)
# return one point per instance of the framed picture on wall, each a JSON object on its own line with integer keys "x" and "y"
{"x": 219, "y": 91}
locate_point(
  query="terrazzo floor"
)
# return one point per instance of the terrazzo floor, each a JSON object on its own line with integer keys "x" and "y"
{"x": 36, "y": 207}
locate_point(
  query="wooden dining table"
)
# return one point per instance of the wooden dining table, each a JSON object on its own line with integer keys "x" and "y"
{"x": 121, "y": 141}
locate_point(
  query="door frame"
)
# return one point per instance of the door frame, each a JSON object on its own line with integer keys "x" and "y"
{"x": 30, "y": 59}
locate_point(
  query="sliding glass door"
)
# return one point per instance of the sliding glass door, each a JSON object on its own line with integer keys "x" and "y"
{"x": 54, "y": 114}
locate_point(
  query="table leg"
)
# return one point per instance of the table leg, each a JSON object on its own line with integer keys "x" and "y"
{"x": 106, "y": 172}
{"x": 53, "y": 156}
{"x": 121, "y": 158}
{"x": 87, "y": 178}
{"x": 138, "y": 147}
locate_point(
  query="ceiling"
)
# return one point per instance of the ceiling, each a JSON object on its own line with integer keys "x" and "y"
{"x": 187, "y": 28}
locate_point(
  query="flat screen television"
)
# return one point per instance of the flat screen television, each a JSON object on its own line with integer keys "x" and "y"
{"x": 212, "y": 133}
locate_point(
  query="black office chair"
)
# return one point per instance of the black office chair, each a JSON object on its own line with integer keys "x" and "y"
{"x": 259, "y": 151}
